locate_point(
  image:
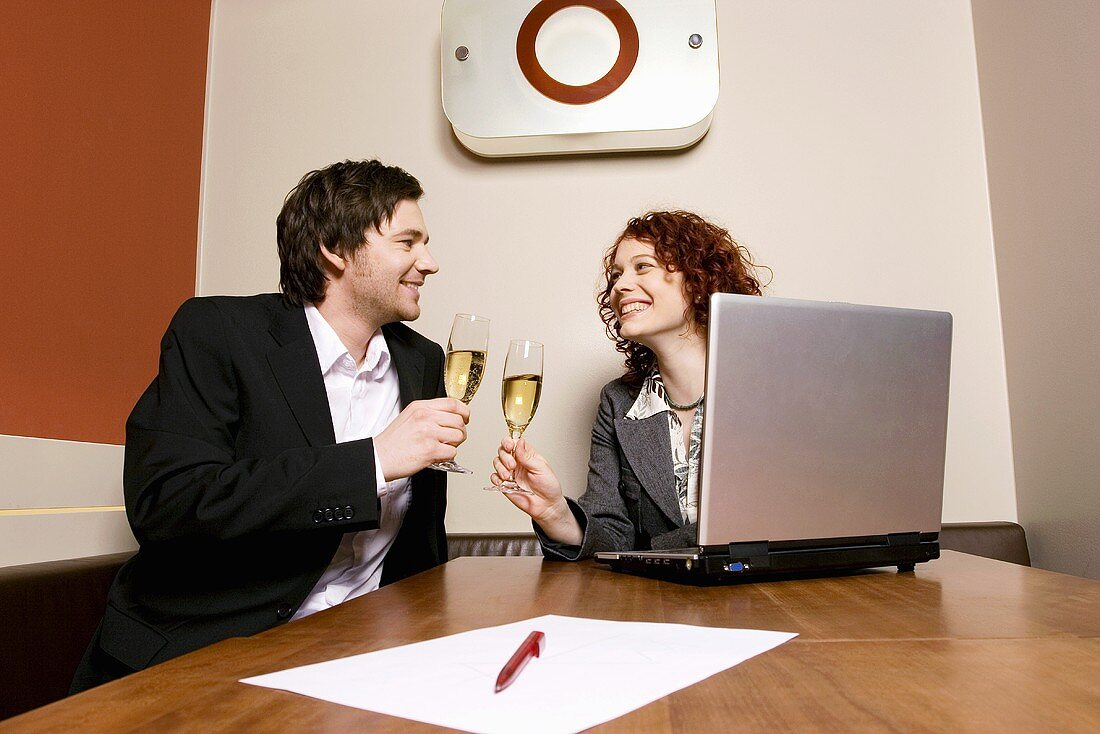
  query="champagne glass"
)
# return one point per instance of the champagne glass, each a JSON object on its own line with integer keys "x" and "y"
{"x": 519, "y": 396}
{"x": 467, "y": 348}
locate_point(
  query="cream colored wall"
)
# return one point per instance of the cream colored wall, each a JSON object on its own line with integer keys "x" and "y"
{"x": 846, "y": 152}
{"x": 1039, "y": 65}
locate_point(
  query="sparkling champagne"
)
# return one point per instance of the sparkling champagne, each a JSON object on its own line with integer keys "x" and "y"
{"x": 520, "y": 397}
{"x": 462, "y": 373}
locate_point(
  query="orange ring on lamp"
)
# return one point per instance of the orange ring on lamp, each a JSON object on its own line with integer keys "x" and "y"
{"x": 571, "y": 93}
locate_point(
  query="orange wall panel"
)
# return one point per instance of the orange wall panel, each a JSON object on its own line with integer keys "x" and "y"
{"x": 102, "y": 119}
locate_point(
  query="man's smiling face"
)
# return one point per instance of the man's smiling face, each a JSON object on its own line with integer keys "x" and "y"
{"x": 389, "y": 269}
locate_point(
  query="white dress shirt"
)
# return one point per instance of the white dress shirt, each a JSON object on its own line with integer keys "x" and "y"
{"x": 362, "y": 401}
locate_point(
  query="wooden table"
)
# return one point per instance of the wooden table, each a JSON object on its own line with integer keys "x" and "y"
{"x": 962, "y": 644}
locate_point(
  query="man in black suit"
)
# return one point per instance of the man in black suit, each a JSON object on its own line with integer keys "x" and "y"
{"x": 278, "y": 463}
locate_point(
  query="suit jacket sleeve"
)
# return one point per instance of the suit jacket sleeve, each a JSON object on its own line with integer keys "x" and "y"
{"x": 185, "y": 478}
{"x": 684, "y": 536}
{"x": 601, "y": 511}
{"x": 615, "y": 513}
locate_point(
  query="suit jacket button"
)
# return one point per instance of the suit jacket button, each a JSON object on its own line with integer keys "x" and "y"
{"x": 318, "y": 516}
{"x": 328, "y": 514}
{"x": 348, "y": 512}
{"x": 284, "y": 612}
{"x": 339, "y": 513}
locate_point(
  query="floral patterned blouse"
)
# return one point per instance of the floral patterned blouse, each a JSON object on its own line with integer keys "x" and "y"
{"x": 685, "y": 464}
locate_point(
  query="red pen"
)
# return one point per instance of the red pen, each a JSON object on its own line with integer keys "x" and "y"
{"x": 530, "y": 648}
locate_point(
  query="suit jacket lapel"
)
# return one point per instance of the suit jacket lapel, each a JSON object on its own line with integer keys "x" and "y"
{"x": 646, "y": 446}
{"x": 294, "y": 362}
{"x": 409, "y": 363}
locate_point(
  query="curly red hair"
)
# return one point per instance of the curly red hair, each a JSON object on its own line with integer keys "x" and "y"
{"x": 710, "y": 259}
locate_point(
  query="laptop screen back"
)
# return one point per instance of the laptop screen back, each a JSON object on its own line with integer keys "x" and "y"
{"x": 822, "y": 420}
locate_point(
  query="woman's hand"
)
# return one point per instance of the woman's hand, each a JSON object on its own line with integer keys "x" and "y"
{"x": 546, "y": 505}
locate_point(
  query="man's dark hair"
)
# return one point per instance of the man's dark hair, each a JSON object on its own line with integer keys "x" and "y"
{"x": 335, "y": 207}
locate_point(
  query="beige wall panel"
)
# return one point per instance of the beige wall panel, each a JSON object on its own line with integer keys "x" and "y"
{"x": 1039, "y": 65}
{"x": 846, "y": 152}
{"x": 71, "y": 536}
{"x": 43, "y": 474}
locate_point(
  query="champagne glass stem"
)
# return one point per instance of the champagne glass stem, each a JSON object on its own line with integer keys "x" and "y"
{"x": 515, "y": 435}
{"x": 511, "y": 485}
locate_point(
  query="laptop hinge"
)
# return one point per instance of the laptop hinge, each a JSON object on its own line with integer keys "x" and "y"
{"x": 903, "y": 539}
{"x": 755, "y": 552}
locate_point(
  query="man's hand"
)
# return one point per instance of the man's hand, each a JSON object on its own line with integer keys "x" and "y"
{"x": 425, "y": 432}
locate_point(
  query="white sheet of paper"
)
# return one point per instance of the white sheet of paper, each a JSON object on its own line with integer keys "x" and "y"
{"x": 591, "y": 671}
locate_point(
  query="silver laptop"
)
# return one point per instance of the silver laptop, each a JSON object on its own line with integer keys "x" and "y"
{"x": 824, "y": 435}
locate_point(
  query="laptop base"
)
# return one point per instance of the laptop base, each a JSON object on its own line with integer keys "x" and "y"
{"x": 763, "y": 560}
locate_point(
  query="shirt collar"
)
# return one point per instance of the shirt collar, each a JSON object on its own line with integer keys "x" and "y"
{"x": 651, "y": 398}
{"x": 331, "y": 352}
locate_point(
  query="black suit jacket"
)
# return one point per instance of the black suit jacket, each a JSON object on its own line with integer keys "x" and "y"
{"x": 235, "y": 488}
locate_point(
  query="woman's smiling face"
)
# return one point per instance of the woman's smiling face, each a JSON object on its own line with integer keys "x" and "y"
{"x": 648, "y": 298}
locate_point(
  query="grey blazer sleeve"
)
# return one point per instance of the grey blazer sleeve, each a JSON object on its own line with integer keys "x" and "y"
{"x": 616, "y": 512}
{"x": 601, "y": 511}
{"x": 682, "y": 537}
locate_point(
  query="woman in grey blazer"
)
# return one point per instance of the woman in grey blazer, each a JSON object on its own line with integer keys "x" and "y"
{"x": 642, "y": 474}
